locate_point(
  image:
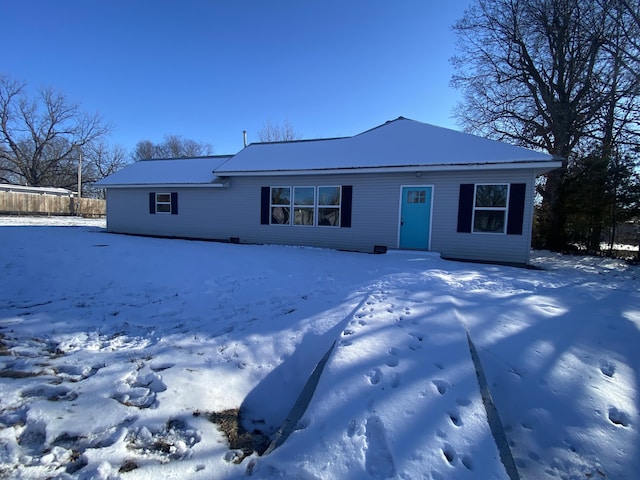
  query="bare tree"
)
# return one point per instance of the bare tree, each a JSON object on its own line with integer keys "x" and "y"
{"x": 278, "y": 132}
{"x": 5, "y": 167}
{"x": 40, "y": 138}
{"x": 632, "y": 9}
{"x": 544, "y": 74}
{"x": 99, "y": 160}
{"x": 145, "y": 150}
{"x": 173, "y": 146}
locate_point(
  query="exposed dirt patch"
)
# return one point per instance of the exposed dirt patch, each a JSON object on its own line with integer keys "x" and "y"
{"x": 4, "y": 349}
{"x": 229, "y": 423}
{"x": 128, "y": 466}
{"x": 18, "y": 374}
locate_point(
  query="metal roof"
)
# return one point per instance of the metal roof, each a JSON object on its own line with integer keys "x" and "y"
{"x": 397, "y": 145}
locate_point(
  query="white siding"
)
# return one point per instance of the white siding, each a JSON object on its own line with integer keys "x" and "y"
{"x": 222, "y": 213}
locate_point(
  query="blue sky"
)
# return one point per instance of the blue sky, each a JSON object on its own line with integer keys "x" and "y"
{"x": 207, "y": 70}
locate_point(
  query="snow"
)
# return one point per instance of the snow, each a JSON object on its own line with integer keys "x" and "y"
{"x": 116, "y": 349}
{"x": 395, "y": 144}
{"x": 187, "y": 171}
{"x": 36, "y": 190}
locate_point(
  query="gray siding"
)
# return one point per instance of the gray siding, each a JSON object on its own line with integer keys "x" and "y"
{"x": 221, "y": 213}
{"x": 476, "y": 246}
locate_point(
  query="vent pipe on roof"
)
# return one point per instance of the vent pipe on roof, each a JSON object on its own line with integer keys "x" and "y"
{"x": 244, "y": 134}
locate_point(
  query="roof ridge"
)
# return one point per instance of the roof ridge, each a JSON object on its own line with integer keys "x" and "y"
{"x": 301, "y": 140}
{"x": 197, "y": 157}
{"x": 385, "y": 124}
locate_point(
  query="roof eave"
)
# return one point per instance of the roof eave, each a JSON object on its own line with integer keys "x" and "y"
{"x": 164, "y": 185}
{"x": 539, "y": 166}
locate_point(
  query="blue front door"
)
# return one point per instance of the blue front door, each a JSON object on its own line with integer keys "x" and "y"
{"x": 415, "y": 217}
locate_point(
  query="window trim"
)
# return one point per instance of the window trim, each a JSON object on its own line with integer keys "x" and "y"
{"x": 272, "y": 205}
{"x": 337, "y": 207}
{"x": 313, "y": 207}
{"x": 504, "y": 209}
{"x": 519, "y": 214}
{"x": 158, "y": 203}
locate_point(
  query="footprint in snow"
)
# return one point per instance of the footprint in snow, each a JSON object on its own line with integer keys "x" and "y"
{"x": 441, "y": 385}
{"x": 393, "y": 361}
{"x": 53, "y": 393}
{"x": 161, "y": 366}
{"x": 449, "y": 454}
{"x": 378, "y": 459}
{"x": 618, "y": 417}
{"x": 417, "y": 335}
{"x": 33, "y": 437}
{"x": 467, "y": 461}
{"x": 455, "y": 418}
{"x": 76, "y": 373}
{"x": 374, "y": 376}
{"x": 607, "y": 368}
{"x": 139, "y": 390}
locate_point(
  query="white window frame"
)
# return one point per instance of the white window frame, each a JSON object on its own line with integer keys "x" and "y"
{"x": 312, "y": 207}
{"x": 504, "y": 209}
{"x": 338, "y": 207}
{"x": 316, "y": 206}
{"x": 163, "y": 203}
{"x": 272, "y": 205}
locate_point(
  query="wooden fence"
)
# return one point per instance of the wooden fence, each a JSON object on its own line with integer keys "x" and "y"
{"x": 14, "y": 203}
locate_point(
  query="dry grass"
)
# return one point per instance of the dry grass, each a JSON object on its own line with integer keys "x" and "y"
{"x": 128, "y": 466}
{"x": 4, "y": 350}
{"x": 17, "y": 374}
{"x": 229, "y": 423}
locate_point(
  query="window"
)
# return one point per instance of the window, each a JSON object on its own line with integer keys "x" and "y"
{"x": 483, "y": 208}
{"x": 166, "y": 203}
{"x": 490, "y": 208}
{"x": 306, "y": 206}
{"x": 329, "y": 206}
{"x": 163, "y": 203}
{"x": 416, "y": 196}
{"x": 280, "y": 205}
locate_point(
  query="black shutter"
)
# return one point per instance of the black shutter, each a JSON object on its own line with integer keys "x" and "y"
{"x": 345, "y": 210}
{"x": 152, "y": 202}
{"x": 516, "y": 208}
{"x": 465, "y": 207}
{"x": 174, "y": 203}
{"x": 265, "y": 201}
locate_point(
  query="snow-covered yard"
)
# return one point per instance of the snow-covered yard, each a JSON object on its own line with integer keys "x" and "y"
{"x": 116, "y": 350}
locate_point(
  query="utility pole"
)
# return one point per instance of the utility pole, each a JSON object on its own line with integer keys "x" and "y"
{"x": 79, "y": 184}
